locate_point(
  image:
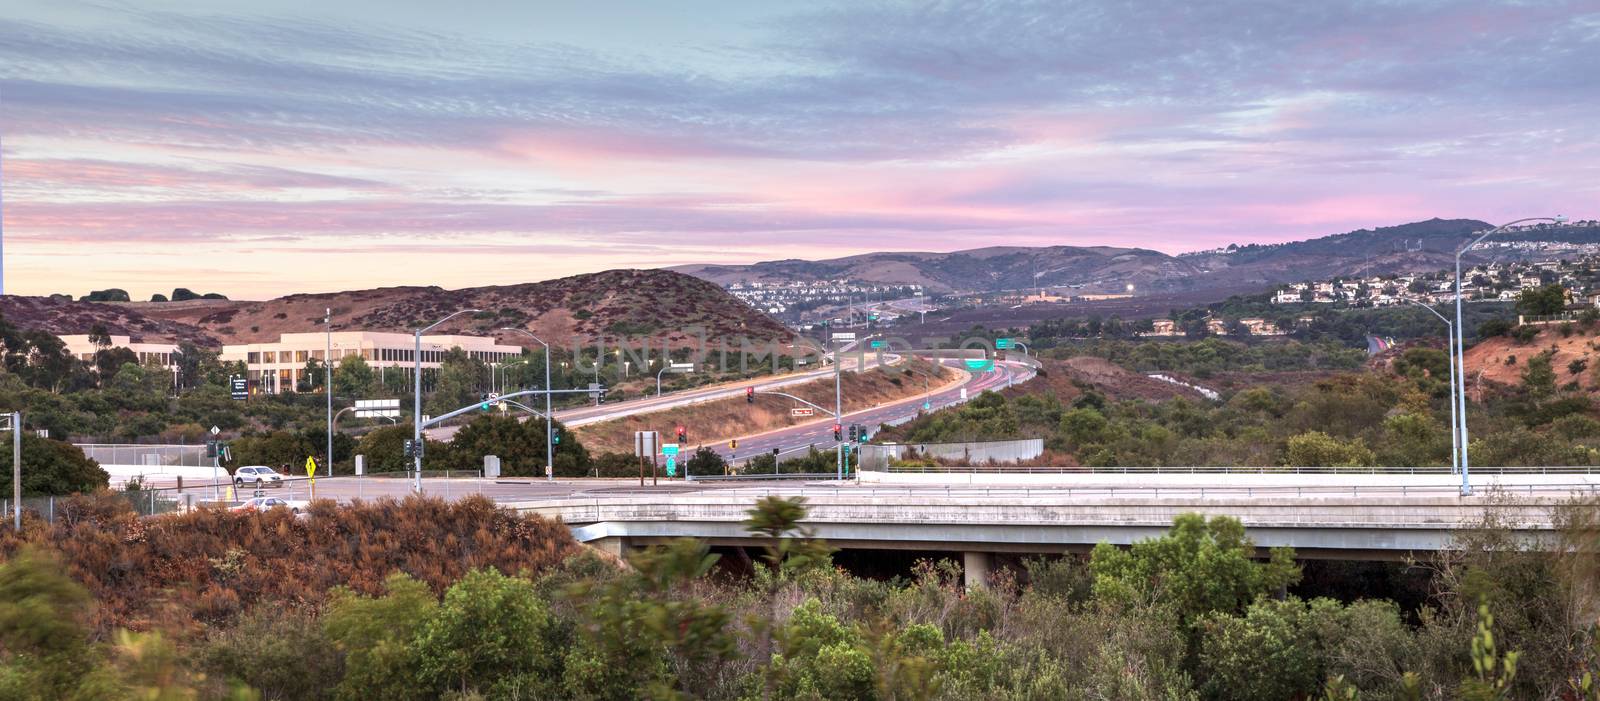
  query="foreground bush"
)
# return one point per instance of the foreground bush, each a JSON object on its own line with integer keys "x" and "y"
{"x": 211, "y": 565}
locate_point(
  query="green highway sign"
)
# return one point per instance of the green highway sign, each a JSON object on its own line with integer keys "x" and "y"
{"x": 983, "y": 365}
{"x": 1002, "y": 344}
{"x": 876, "y": 345}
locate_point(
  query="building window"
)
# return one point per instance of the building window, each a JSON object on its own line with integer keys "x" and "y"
{"x": 316, "y": 355}
{"x": 252, "y": 358}
{"x": 301, "y": 356}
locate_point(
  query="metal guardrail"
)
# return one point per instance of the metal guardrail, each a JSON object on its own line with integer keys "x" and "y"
{"x": 1155, "y": 492}
{"x": 1243, "y": 470}
{"x": 765, "y": 476}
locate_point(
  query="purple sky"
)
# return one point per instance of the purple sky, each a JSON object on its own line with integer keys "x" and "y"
{"x": 261, "y": 148}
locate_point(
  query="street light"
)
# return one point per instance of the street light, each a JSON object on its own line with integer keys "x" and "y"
{"x": 416, "y": 407}
{"x": 549, "y": 419}
{"x": 1455, "y": 445}
{"x": 1461, "y": 344}
{"x": 327, "y": 380}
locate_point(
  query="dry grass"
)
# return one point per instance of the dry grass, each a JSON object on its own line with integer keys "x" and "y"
{"x": 717, "y": 421}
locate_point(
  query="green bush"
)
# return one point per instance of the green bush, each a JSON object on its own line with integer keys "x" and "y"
{"x": 51, "y": 468}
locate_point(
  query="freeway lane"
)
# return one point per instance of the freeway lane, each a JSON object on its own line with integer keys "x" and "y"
{"x": 578, "y": 416}
{"x": 795, "y": 440}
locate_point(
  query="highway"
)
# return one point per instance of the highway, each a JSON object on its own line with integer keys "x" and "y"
{"x": 1067, "y": 487}
{"x": 796, "y": 440}
{"x": 578, "y": 416}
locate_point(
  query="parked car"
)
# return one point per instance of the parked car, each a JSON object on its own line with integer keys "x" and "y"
{"x": 258, "y": 476}
{"x": 264, "y": 503}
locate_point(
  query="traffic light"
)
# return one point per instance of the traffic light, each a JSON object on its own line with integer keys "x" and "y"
{"x": 211, "y": 449}
{"x": 555, "y": 436}
{"x": 409, "y": 450}
{"x": 750, "y": 395}
{"x": 838, "y": 432}
{"x": 683, "y": 435}
{"x": 733, "y": 444}
{"x": 483, "y": 402}
{"x": 853, "y": 429}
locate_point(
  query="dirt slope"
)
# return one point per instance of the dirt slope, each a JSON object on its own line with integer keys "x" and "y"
{"x": 1488, "y": 360}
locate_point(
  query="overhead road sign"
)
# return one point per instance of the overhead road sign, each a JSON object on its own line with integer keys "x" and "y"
{"x": 376, "y": 408}
{"x": 802, "y": 411}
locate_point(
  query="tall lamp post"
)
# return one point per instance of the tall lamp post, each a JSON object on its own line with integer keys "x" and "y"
{"x": 416, "y": 407}
{"x": 1461, "y": 344}
{"x": 549, "y": 419}
{"x": 327, "y": 379}
{"x": 1455, "y": 438}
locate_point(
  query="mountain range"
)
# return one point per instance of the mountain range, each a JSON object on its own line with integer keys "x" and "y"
{"x": 658, "y": 304}
{"x": 1416, "y": 247}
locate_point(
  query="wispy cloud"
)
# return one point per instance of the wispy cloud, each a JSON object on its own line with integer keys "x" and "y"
{"x": 829, "y": 130}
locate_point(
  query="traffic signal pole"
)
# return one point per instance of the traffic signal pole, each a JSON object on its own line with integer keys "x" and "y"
{"x": 838, "y": 412}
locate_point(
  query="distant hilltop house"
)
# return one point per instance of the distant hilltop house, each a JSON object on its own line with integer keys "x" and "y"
{"x": 1254, "y": 326}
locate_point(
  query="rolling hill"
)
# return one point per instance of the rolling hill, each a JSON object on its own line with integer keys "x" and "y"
{"x": 657, "y": 304}
{"x": 1096, "y": 268}
{"x": 1423, "y": 246}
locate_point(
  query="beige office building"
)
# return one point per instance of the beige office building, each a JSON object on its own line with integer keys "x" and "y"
{"x": 163, "y": 354}
{"x": 277, "y": 367}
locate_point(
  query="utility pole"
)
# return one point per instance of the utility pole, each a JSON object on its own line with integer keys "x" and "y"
{"x": 16, "y": 470}
{"x": 327, "y": 378}
{"x": 838, "y": 412}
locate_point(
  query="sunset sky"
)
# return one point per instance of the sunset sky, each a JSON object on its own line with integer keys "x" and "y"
{"x": 274, "y": 146}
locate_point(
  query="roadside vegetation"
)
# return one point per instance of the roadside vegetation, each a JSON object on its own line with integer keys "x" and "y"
{"x": 1395, "y": 413}
{"x": 424, "y": 600}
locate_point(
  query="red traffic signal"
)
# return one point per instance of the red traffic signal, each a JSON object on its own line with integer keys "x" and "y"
{"x": 838, "y": 432}
{"x": 750, "y": 395}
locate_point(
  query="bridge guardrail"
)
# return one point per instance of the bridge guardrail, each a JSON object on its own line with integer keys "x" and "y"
{"x": 1245, "y": 470}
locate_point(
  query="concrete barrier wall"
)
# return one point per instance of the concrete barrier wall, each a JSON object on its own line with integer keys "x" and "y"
{"x": 877, "y": 457}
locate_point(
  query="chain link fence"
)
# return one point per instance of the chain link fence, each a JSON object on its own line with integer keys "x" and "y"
{"x": 147, "y": 455}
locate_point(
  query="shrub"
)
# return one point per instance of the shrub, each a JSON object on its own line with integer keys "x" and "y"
{"x": 51, "y": 468}
{"x": 281, "y": 653}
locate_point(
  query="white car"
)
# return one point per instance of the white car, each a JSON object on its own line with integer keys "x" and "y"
{"x": 265, "y": 503}
{"x": 257, "y": 476}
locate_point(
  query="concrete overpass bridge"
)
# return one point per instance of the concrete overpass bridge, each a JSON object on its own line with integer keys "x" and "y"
{"x": 1373, "y": 517}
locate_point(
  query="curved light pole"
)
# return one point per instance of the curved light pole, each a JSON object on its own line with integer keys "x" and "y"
{"x": 416, "y": 407}
{"x": 1455, "y": 438}
{"x": 549, "y": 418}
{"x": 1461, "y": 344}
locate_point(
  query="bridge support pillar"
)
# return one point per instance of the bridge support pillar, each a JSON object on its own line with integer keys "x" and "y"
{"x": 975, "y": 569}
{"x": 611, "y": 545}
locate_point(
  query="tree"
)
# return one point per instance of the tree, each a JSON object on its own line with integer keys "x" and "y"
{"x": 52, "y": 468}
{"x": 456, "y": 382}
{"x": 705, "y": 461}
{"x": 158, "y": 297}
{"x": 1318, "y": 449}
{"x": 273, "y": 450}
{"x": 46, "y": 643}
{"x": 1199, "y": 567}
{"x": 1542, "y": 301}
{"x": 1269, "y": 653}
{"x": 384, "y": 450}
{"x": 491, "y": 631}
{"x": 376, "y": 637}
{"x": 520, "y": 445}
{"x": 353, "y": 378}
{"x": 183, "y": 294}
{"x": 1538, "y": 377}
{"x": 107, "y": 295}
